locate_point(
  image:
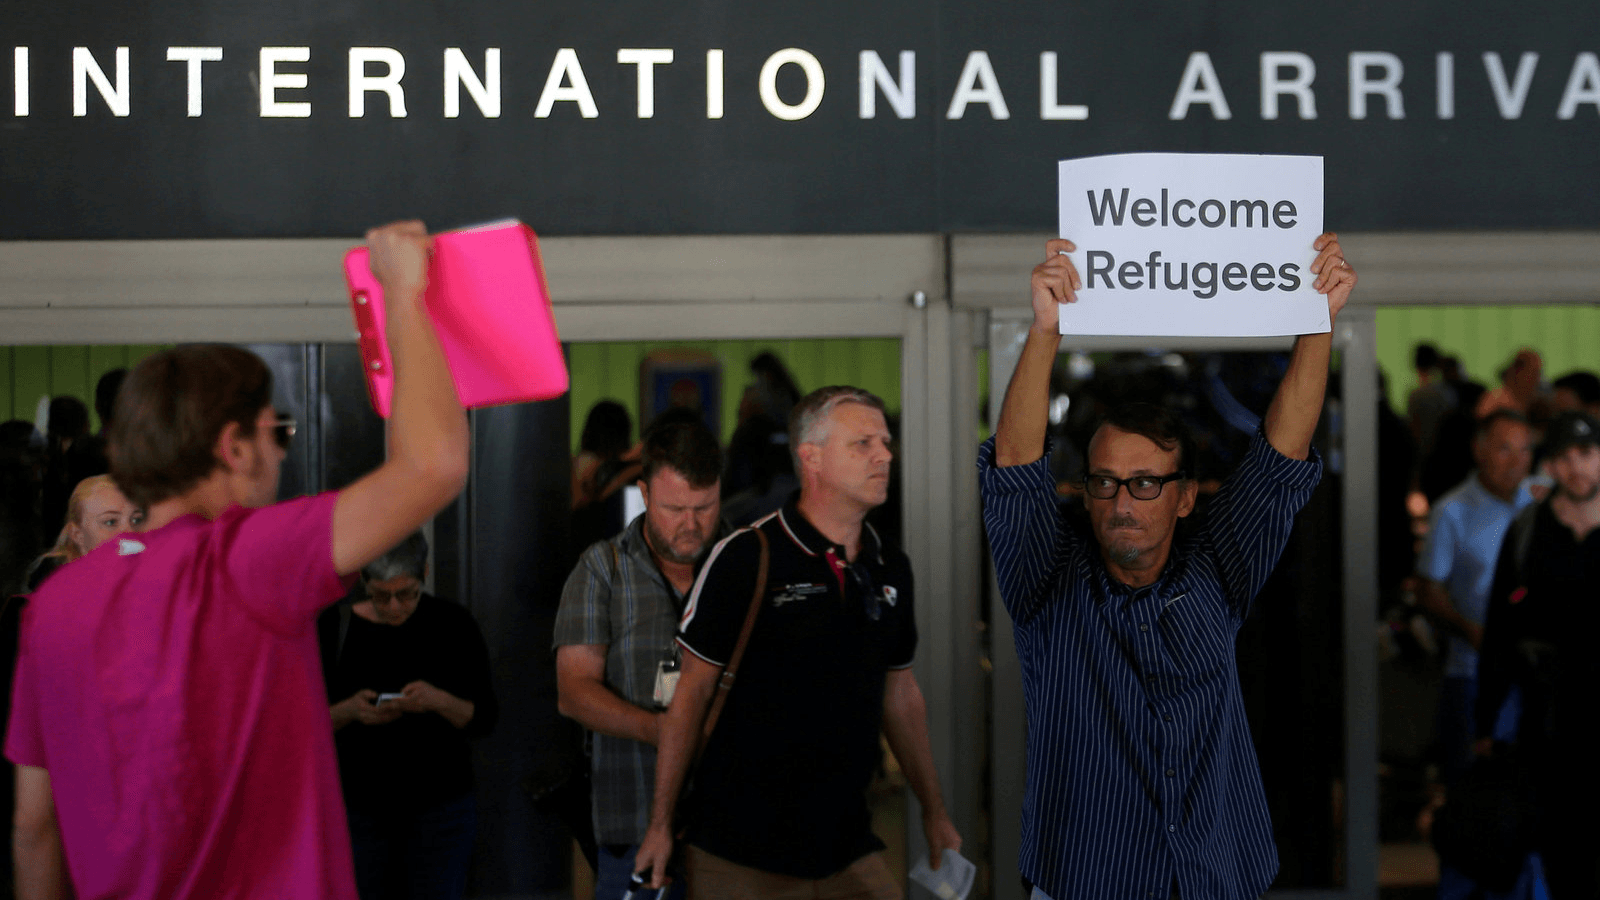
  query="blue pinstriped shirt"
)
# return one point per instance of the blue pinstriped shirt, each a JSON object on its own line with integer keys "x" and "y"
{"x": 1141, "y": 772}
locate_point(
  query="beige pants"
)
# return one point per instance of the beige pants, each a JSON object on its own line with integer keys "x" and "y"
{"x": 714, "y": 878}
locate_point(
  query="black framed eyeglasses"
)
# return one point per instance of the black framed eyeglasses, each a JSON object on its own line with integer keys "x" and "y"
{"x": 871, "y": 598}
{"x": 1140, "y": 487}
{"x": 283, "y": 430}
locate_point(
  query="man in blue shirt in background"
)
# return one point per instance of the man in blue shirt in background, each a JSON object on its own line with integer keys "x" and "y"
{"x": 1456, "y": 570}
{"x": 1142, "y": 781}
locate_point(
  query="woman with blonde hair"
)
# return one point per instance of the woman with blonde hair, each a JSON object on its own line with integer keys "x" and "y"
{"x": 96, "y": 512}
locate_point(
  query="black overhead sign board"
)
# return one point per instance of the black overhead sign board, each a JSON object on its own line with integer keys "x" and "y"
{"x": 221, "y": 118}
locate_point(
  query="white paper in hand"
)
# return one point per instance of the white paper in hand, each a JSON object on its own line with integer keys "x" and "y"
{"x": 954, "y": 879}
{"x": 1193, "y": 244}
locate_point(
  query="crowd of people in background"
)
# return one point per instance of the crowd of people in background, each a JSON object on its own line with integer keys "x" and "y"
{"x": 1487, "y": 563}
{"x": 41, "y": 467}
{"x": 1489, "y": 497}
{"x": 367, "y": 789}
{"x": 407, "y": 675}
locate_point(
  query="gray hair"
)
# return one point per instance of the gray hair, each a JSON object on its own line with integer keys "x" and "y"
{"x": 407, "y": 558}
{"x": 808, "y": 421}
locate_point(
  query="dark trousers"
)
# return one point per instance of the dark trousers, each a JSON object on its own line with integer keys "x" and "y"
{"x": 1570, "y": 838}
{"x": 1455, "y": 727}
{"x": 414, "y": 854}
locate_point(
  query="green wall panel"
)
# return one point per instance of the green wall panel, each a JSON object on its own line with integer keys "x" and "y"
{"x": 101, "y": 361}
{"x": 610, "y": 371}
{"x": 1485, "y": 338}
{"x": 137, "y": 352}
{"x": 69, "y": 374}
{"x": 30, "y": 379}
{"x": 880, "y": 368}
{"x": 841, "y": 361}
{"x": 30, "y": 372}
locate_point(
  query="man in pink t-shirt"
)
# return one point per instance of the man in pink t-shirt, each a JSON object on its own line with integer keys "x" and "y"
{"x": 169, "y": 721}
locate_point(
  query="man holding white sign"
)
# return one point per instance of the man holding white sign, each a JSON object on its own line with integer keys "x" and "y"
{"x": 1142, "y": 781}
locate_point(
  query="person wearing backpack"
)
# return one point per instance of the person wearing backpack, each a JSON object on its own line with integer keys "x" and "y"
{"x": 1539, "y": 635}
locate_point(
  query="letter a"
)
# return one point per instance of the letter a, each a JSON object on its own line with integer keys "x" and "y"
{"x": 1583, "y": 86}
{"x": 978, "y": 85}
{"x": 1199, "y": 85}
{"x": 566, "y": 68}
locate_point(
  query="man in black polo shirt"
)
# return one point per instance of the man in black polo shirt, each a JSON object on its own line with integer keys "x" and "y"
{"x": 1540, "y": 633}
{"x": 778, "y": 808}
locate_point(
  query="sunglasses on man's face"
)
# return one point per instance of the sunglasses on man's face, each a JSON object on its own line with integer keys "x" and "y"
{"x": 283, "y": 431}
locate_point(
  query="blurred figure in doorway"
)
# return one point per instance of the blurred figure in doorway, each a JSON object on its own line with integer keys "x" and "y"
{"x": 607, "y": 462}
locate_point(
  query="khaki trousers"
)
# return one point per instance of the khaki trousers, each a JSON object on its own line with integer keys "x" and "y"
{"x": 714, "y": 878}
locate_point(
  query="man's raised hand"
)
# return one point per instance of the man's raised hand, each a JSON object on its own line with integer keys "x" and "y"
{"x": 1334, "y": 275}
{"x": 1055, "y": 281}
{"x": 398, "y": 256}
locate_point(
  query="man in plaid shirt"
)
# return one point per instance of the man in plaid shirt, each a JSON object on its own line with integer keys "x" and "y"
{"x": 616, "y": 659}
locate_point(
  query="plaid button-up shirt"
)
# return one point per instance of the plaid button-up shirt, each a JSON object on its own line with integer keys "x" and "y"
{"x": 618, "y": 597}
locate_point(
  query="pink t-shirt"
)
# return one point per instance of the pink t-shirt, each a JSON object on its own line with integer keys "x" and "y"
{"x": 171, "y": 684}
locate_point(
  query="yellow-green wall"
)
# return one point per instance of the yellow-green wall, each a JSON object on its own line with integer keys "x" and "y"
{"x": 599, "y": 371}
{"x": 28, "y": 373}
{"x": 1485, "y": 338}
{"x": 610, "y": 371}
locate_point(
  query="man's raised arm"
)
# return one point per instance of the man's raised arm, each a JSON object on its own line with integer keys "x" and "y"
{"x": 1025, "y": 415}
{"x": 428, "y": 445}
{"x": 1292, "y": 418}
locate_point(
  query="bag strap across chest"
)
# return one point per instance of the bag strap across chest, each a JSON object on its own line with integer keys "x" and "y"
{"x": 730, "y": 671}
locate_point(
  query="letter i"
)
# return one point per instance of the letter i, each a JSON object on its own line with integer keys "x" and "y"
{"x": 713, "y": 84}
{"x": 20, "y": 82}
{"x": 1445, "y": 66}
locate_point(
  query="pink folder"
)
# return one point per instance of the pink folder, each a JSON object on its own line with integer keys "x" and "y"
{"x": 489, "y": 304}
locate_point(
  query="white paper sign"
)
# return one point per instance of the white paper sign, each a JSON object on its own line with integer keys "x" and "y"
{"x": 1201, "y": 244}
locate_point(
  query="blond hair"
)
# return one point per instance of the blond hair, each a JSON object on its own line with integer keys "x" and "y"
{"x": 65, "y": 550}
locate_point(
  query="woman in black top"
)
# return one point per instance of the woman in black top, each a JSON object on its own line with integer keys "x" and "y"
{"x": 409, "y": 686}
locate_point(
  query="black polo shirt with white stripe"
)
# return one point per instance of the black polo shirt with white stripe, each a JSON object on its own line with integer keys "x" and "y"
{"x": 782, "y": 784}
